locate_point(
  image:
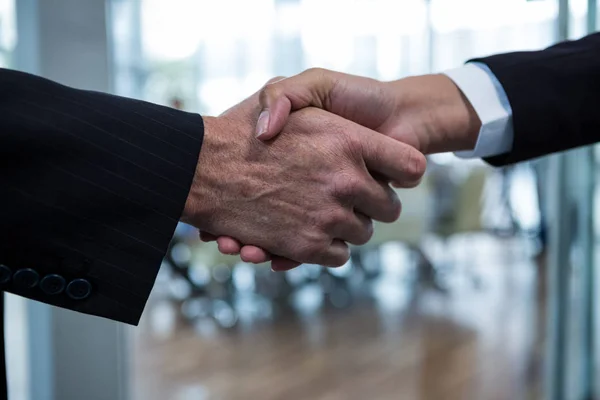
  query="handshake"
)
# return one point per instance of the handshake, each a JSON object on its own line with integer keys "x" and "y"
{"x": 300, "y": 169}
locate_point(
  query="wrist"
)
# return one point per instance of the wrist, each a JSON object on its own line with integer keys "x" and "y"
{"x": 196, "y": 211}
{"x": 465, "y": 123}
{"x": 454, "y": 119}
{"x": 441, "y": 116}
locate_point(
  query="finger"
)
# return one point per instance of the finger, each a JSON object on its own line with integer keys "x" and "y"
{"x": 254, "y": 255}
{"x": 262, "y": 125}
{"x": 336, "y": 255}
{"x": 398, "y": 162}
{"x": 358, "y": 229}
{"x": 378, "y": 201}
{"x": 228, "y": 245}
{"x": 280, "y": 264}
{"x": 310, "y": 88}
{"x": 207, "y": 237}
{"x": 406, "y": 185}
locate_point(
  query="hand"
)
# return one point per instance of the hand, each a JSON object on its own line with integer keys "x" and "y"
{"x": 428, "y": 112}
{"x": 303, "y": 195}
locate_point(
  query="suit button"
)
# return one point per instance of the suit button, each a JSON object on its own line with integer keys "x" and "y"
{"x": 79, "y": 289}
{"x": 53, "y": 284}
{"x": 26, "y": 278}
{"x": 5, "y": 274}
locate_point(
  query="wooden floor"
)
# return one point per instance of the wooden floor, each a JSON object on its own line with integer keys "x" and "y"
{"x": 481, "y": 341}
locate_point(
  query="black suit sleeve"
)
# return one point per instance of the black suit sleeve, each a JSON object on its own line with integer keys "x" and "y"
{"x": 91, "y": 189}
{"x": 554, "y": 95}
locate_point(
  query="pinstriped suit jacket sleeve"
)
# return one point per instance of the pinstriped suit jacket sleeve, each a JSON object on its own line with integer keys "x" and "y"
{"x": 91, "y": 189}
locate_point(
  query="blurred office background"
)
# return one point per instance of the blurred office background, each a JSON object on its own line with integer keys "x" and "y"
{"x": 483, "y": 290}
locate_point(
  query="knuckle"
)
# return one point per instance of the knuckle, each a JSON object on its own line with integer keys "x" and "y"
{"x": 370, "y": 230}
{"x": 350, "y": 139}
{"x": 338, "y": 260}
{"x": 313, "y": 244}
{"x": 303, "y": 252}
{"x": 366, "y": 234}
{"x": 274, "y": 80}
{"x": 323, "y": 82}
{"x": 417, "y": 164}
{"x": 346, "y": 186}
{"x": 316, "y": 71}
{"x": 322, "y": 247}
{"x": 333, "y": 218}
{"x": 320, "y": 255}
{"x": 395, "y": 208}
{"x": 271, "y": 91}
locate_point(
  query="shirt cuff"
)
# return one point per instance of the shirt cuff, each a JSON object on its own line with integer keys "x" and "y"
{"x": 481, "y": 87}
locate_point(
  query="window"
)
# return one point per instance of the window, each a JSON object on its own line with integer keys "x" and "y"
{"x": 8, "y": 32}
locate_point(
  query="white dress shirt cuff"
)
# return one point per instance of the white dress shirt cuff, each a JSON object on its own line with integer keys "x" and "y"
{"x": 484, "y": 91}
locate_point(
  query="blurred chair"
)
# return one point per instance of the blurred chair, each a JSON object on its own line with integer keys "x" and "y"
{"x": 221, "y": 283}
{"x": 272, "y": 286}
{"x": 466, "y": 218}
{"x": 468, "y": 207}
{"x": 409, "y": 229}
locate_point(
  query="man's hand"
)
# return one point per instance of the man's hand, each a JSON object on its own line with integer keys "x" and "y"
{"x": 428, "y": 112}
{"x": 303, "y": 195}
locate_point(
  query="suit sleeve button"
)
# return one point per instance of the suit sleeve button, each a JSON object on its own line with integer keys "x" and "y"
{"x": 26, "y": 278}
{"x": 53, "y": 284}
{"x": 5, "y": 274}
{"x": 79, "y": 289}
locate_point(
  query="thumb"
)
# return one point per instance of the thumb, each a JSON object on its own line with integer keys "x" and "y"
{"x": 278, "y": 99}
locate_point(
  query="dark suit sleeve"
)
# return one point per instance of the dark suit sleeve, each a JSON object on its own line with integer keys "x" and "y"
{"x": 554, "y": 95}
{"x": 91, "y": 190}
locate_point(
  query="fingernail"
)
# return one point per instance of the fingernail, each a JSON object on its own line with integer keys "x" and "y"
{"x": 263, "y": 123}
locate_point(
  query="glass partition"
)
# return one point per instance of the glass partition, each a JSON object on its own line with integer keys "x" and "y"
{"x": 8, "y": 32}
{"x": 572, "y": 345}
